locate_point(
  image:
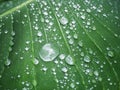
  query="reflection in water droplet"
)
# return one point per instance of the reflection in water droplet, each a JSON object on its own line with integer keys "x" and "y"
{"x": 63, "y": 20}
{"x": 110, "y": 54}
{"x": 69, "y": 60}
{"x": 49, "y": 52}
{"x": 7, "y": 62}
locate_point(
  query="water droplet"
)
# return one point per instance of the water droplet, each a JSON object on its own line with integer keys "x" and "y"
{"x": 36, "y": 27}
{"x": 7, "y": 62}
{"x": 64, "y": 69}
{"x": 6, "y": 31}
{"x": 94, "y": 28}
{"x": 11, "y": 43}
{"x": 0, "y": 76}
{"x": 39, "y": 34}
{"x": 69, "y": 60}
{"x": 49, "y": 52}
{"x": 24, "y": 88}
{"x": 63, "y": 20}
{"x": 83, "y": 17}
{"x": 75, "y": 36}
{"x": 110, "y": 54}
{"x": 71, "y": 41}
{"x": 13, "y": 33}
{"x": 18, "y": 76}
{"x": 26, "y": 48}
{"x": 36, "y": 61}
{"x": 96, "y": 73}
{"x": 88, "y": 10}
{"x": 80, "y": 43}
{"x": 62, "y": 56}
{"x": 72, "y": 85}
{"x": 44, "y": 69}
{"x": 27, "y": 42}
{"x": 100, "y": 79}
{"x": 87, "y": 59}
{"x": 45, "y": 13}
{"x": 34, "y": 82}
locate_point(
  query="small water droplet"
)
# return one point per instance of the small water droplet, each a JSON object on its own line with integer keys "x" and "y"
{"x": 26, "y": 48}
{"x": 13, "y": 33}
{"x": 75, "y": 36}
{"x": 45, "y": 13}
{"x": 36, "y": 61}
{"x": 0, "y": 76}
{"x": 110, "y": 54}
{"x": 100, "y": 79}
{"x": 80, "y": 43}
{"x": 18, "y": 76}
{"x": 71, "y": 41}
{"x": 94, "y": 28}
{"x": 88, "y": 10}
{"x": 49, "y": 52}
{"x": 63, "y": 20}
{"x": 62, "y": 56}
{"x": 6, "y": 31}
{"x": 39, "y": 34}
{"x": 96, "y": 73}
{"x": 64, "y": 69}
{"x": 69, "y": 60}
{"x": 83, "y": 17}
{"x": 44, "y": 69}
{"x": 87, "y": 59}
{"x": 36, "y": 27}
{"x": 27, "y": 42}
{"x": 72, "y": 85}
{"x": 7, "y": 62}
{"x": 34, "y": 82}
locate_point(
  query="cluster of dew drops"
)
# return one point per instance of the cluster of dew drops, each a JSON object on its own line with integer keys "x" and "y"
{"x": 49, "y": 52}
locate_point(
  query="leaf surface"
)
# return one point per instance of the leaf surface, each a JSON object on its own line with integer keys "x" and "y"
{"x": 59, "y": 45}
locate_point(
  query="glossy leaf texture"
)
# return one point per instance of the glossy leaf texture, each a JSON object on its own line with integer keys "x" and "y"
{"x": 60, "y": 45}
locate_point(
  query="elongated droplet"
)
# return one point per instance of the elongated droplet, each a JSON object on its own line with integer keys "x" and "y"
{"x": 69, "y": 60}
{"x": 34, "y": 82}
{"x": 49, "y": 52}
{"x": 63, "y": 20}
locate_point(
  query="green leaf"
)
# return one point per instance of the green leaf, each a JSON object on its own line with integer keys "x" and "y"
{"x": 59, "y": 45}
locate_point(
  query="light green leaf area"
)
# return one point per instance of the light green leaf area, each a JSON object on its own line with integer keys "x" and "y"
{"x": 60, "y": 45}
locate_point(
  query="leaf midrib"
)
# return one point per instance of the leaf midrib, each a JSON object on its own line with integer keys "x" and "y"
{"x": 15, "y": 8}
